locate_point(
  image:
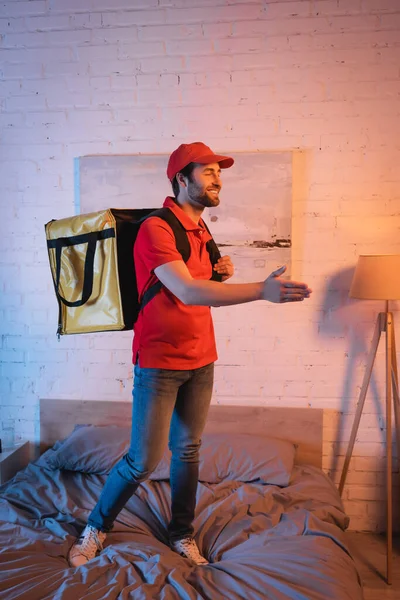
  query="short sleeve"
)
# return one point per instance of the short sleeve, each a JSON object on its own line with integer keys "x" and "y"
{"x": 155, "y": 244}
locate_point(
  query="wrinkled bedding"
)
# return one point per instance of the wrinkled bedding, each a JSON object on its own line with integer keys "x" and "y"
{"x": 263, "y": 541}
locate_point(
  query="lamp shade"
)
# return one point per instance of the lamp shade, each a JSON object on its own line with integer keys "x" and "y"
{"x": 377, "y": 277}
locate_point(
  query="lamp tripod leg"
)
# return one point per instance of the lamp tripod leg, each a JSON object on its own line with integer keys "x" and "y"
{"x": 389, "y": 500}
{"x": 363, "y": 393}
{"x": 396, "y": 398}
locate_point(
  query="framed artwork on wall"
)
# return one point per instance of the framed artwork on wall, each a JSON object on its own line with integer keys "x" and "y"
{"x": 252, "y": 223}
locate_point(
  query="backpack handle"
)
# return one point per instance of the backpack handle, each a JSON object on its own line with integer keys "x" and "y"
{"x": 91, "y": 240}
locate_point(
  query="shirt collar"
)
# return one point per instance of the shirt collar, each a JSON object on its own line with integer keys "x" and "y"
{"x": 186, "y": 221}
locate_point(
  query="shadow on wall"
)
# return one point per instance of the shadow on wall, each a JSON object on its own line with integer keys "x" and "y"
{"x": 349, "y": 319}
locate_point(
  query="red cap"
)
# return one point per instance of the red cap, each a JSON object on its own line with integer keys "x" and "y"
{"x": 196, "y": 152}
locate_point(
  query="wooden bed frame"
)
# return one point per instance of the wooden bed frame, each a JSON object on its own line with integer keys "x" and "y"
{"x": 302, "y": 426}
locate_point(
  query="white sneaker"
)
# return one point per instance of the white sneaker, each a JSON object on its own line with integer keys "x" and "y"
{"x": 187, "y": 547}
{"x": 86, "y": 547}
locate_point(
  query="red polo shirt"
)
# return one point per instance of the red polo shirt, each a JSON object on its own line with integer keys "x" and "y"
{"x": 168, "y": 333}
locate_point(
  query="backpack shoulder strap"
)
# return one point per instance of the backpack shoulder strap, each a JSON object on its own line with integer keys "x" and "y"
{"x": 214, "y": 253}
{"x": 181, "y": 239}
{"x": 182, "y": 245}
{"x": 182, "y": 242}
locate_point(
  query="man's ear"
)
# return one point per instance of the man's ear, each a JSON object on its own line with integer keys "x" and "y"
{"x": 181, "y": 180}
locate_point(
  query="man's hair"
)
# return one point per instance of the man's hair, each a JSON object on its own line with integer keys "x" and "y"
{"x": 186, "y": 172}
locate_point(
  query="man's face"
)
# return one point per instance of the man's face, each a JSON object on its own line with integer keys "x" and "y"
{"x": 204, "y": 185}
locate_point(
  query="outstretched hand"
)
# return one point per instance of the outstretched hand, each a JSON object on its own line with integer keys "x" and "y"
{"x": 280, "y": 290}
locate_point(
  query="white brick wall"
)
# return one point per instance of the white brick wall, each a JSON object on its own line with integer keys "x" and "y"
{"x": 317, "y": 77}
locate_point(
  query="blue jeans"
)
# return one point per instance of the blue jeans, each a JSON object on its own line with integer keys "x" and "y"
{"x": 167, "y": 406}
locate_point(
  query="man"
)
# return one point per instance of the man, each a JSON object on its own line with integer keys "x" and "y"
{"x": 174, "y": 351}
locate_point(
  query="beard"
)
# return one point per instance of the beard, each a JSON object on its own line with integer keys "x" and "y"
{"x": 200, "y": 196}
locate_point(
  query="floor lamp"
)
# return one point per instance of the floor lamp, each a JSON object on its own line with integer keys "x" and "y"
{"x": 378, "y": 278}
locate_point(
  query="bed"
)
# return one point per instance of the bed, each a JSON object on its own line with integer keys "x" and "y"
{"x": 268, "y": 519}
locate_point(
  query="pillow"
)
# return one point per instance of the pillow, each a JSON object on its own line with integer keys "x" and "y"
{"x": 239, "y": 457}
{"x": 95, "y": 449}
{"x": 90, "y": 449}
{"x": 246, "y": 457}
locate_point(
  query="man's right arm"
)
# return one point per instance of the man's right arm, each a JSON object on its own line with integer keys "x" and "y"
{"x": 176, "y": 277}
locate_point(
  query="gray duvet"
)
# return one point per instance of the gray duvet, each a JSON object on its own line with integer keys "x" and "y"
{"x": 263, "y": 541}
